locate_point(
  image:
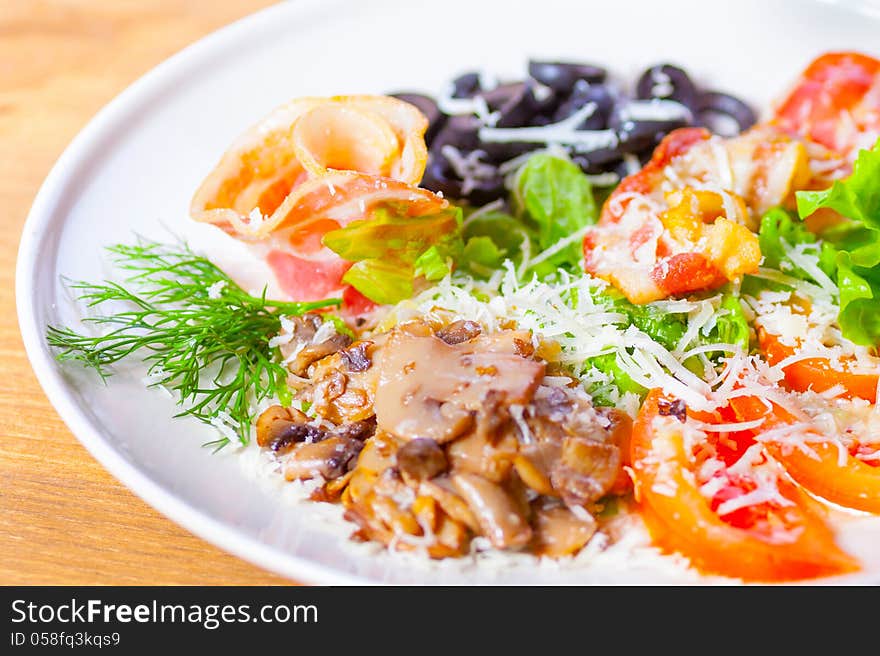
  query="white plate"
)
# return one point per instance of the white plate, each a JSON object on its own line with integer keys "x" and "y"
{"x": 136, "y": 165}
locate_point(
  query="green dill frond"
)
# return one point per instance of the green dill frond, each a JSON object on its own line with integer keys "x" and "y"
{"x": 200, "y": 334}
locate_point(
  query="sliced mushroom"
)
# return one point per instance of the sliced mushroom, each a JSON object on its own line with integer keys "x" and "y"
{"x": 534, "y": 463}
{"x": 586, "y": 471}
{"x": 497, "y": 513}
{"x": 475, "y": 454}
{"x": 329, "y": 458}
{"x": 281, "y": 429}
{"x": 452, "y": 504}
{"x": 338, "y": 394}
{"x": 459, "y": 331}
{"x": 311, "y": 353}
{"x": 420, "y": 460}
{"x": 428, "y": 388}
{"x": 559, "y": 532}
{"x": 357, "y": 358}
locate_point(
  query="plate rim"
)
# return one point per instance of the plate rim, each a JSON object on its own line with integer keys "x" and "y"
{"x": 43, "y": 214}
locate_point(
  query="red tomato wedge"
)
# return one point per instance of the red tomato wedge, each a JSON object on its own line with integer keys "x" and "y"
{"x": 817, "y": 374}
{"x": 781, "y": 539}
{"x": 673, "y": 145}
{"x": 835, "y": 102}
{"x": 849, "y": 482}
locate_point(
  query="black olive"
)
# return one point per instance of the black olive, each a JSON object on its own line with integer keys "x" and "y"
{"x": 635, "y": 134}
{"x": 439, "y": 176}
{"x": 485, "y": 191}
{"x": 713, "y": 103}
{"x": 428, "y": 107}
{"x": 598, "y": 161}
{"x": 465, "y": 86}
{"x": 669, "y": 82}
{"x": 515, "y": 103}
{"x": 459, "y": 131}
{"x": 499, "y": 152}
{"x": 638, "y": 136}
{"x": 582, "y": 94}
{"x": 561, "y": 76}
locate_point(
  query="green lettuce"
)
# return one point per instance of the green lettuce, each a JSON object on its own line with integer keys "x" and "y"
{"x": 490, "y": 238}
{"x": 857, "y": 242}
{"x": 777, "y": 226}
{"x": 601, "y": 393}
{"x": 731, "y": 327}
{"x": 552, "y": 200}
{"x": 556, "y": 199}
{"x": 390, "y": 250}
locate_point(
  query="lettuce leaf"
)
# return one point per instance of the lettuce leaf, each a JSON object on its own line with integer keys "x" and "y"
{"x": 778, "y": 229}
{"x": 857, "y": 243}
{"x": 556, "y": 199}
{"x": 390, "y": 250}
{"x": 857, "y": 197}
{"x": 859, "y": 316}
{"x": 608, "y": 365}
{"x": 731, "y": 327}
{"x": 490, "y": 238}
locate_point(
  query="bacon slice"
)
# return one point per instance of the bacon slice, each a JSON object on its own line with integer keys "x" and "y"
{"x": 274, "y": 167}
{"x": 835, "y": 103}
{"x": 311, "y": 166}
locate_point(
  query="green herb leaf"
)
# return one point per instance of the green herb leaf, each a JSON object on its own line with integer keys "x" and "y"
{"x": 201, "y": 335}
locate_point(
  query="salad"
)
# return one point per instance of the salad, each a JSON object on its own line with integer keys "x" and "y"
{"x": 517, "y": 314}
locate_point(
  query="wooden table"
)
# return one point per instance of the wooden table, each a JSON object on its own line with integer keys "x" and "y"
{"x": 63, "y": 518}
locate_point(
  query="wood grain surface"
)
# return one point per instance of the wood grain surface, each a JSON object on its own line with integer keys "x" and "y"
{"x": 63, "y": 519}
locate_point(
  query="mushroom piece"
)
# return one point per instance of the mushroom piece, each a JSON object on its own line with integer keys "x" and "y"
{"x": 559, "y": 532}
{"x": 337, "y": 393}
{"x": 476, "y": 454}
{"x": 452, "y": 504}
{"x": 586, "y": 470}
{"x": 428, "y": 388}
{"x": 420, "y": 460}
{"x": 459, "y": 331}
{"x": 533, "y": 464}
{"x": 329, "y": 458}
{"x": 281, "y": 429}
{"x": 498, "y": 514}
{"x": 314, "y": 351}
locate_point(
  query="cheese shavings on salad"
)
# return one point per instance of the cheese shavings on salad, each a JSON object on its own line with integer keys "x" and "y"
{"x": 521, "y": 315}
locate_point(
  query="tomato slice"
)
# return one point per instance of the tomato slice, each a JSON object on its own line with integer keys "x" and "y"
{"x": 835, "y": 102}
{"x": 817, "y": 374}
{"x": 782, "y": 539}
{"x": 849, "y": 482}
{"x": 676, "y": 143}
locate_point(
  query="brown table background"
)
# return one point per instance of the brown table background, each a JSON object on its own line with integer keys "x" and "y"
{"x": 63, "y": 518}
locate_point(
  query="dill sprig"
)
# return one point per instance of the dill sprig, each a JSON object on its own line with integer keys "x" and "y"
{"x": 200, "y": 334}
